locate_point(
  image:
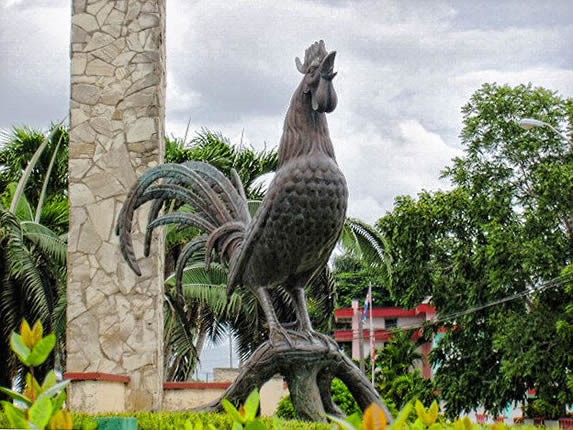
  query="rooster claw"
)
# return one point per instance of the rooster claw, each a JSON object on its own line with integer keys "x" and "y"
{"x": 278, "y": 335}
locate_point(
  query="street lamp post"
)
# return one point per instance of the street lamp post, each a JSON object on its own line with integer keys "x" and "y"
{"x": 529, "y": 123}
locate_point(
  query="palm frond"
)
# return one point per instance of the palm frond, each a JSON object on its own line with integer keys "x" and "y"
{"x": 365, "y": 243}
{"x": 180, "y": 334}
{"x": 45, "y": 240}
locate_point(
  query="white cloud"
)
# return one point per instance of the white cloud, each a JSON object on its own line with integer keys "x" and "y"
{"x": 405, "y": 69}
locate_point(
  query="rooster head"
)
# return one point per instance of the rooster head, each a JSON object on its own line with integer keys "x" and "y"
{"x": 318, "y": 71}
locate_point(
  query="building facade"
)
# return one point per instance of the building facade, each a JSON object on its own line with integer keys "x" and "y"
{"x": 355, "y": 331}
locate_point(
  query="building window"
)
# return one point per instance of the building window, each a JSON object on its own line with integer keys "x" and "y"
{"x": 390, "y": 323}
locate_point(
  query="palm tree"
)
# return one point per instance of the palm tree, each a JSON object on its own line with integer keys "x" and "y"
{"x": 32, "y": 255}
{"x": 397, "y": 376}
{"x": 202, "y": 310}
{"x": 48, "y": 176}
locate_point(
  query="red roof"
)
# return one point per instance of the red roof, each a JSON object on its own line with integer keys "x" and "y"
{"x": 379, "y": 334}
{"x": 388, "y": 312}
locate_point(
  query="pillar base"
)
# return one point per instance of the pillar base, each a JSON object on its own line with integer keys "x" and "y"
{"x": 97, "y": 393}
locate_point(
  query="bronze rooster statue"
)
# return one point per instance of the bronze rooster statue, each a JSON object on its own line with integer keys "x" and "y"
{"x": 286, "y": 244}
{"x": 293, "y": 233}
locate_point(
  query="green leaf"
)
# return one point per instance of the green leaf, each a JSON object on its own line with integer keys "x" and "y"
{"x": 20, "y": 349}
{"x": 402, "y": 417}
{"x": 237, "y": 426}
{"x": 50, "y": 380}
{"x": 232, "y": 411}
{"x": 15, "y": 416}
{"x": 41, "y": 412}
{"x": 16, "y": 396}
{"x": 59, "y": 401}
{"x": 252, "y": 405}
{"x": 42, "y": 350}
{"x": 342, "y": 424}
{"x": 54, "y": 390}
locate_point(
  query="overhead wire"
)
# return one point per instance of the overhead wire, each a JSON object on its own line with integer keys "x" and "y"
{"x": 556, "y": 282}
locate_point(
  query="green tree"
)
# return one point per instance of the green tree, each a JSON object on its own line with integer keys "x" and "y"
{"x": 32, "y": 260}
{"x": 48, "y": 177}
{"x": 503, "y": 230}
{"x": 353, "y": 276}
{"x": 365, "y": 262}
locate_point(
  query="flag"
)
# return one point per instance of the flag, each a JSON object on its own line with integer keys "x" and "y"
{"x": 367, "y": 303}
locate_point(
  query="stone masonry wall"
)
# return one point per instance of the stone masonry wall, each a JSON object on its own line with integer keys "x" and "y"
{"x": 115, "y": 319}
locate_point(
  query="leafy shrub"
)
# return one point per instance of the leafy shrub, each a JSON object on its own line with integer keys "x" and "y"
{"x": 542, "y": 408}
{"x": 40, "y": 406}
{"x": 340, "y": 395}
{"x": 286, "y": 409}
{"x": 177, "y": 420}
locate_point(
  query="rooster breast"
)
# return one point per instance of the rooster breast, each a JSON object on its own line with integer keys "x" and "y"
{"x": 300, "y": 220}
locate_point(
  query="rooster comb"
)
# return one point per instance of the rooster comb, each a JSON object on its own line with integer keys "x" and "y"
{"x": 313, "y": 55}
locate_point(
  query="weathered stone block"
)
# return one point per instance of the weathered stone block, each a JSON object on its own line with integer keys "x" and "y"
{"x": 115, "y": 17}
{"x": 80, "y": 195}
{"x": 78, "y": 65}
{"x": 103, "y": 186}
{"x": 113, "y": 30}
{"x": 101, "y": 125}
{"x": 109, "y": 52}
{"x": 79, "y": 35}
{"x": 99, "y": 40}
{"x": 102, "y": 215}
{"x": 85, "y": 21}
{"x": 89, "y": 241}
{"x": 85, "y": 93}
{"x": 147, "y": 20}
{"x": 98, "y": 67}
{"x": 140, "y": 130}
{"x": 104, "y": 12}
{"x": 133, "y": 10}
{"x": 82, "y": 150}
{"x": 94, "y": 7}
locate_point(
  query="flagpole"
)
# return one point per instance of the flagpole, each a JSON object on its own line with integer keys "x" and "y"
{"x": 372, "y": 340}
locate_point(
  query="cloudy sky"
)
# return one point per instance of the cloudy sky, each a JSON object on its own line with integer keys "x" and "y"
{"x": 405, "y": 69}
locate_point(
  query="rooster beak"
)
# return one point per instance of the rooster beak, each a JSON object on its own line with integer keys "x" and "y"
{"x": 327, "y": 66}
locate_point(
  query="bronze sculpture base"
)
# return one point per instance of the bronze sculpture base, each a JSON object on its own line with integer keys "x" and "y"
{"x": 308, "y": 363}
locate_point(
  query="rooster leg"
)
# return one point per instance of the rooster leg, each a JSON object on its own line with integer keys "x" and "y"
{"x": 299, "y": 299}
{"x": 275, "y": 328}
{"x": 303, "y": 319}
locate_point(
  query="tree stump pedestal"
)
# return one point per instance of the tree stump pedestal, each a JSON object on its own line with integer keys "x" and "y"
{"x": 308, "y": 363}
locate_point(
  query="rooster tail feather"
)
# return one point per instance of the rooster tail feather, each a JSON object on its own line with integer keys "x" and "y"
{"x": 191, "y": 194}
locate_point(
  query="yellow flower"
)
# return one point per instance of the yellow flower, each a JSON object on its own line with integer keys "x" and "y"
{"x": 429, "y": 416}
{"x": 31, "y": 336}
{"x": 62, "y": 420}
{"x": 374, "y": 418}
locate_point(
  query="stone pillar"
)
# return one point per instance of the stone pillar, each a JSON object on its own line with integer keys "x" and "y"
{"x": 115, "y": 319}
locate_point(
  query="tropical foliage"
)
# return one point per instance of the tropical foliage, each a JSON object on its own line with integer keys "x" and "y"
{"x": 397, "y": 371}
{"x": 32, "y": 250}
{"x": 490, "y": 252}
